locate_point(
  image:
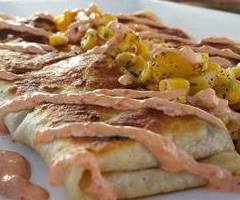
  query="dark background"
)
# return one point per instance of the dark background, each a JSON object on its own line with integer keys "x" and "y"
{"x": 226, "y": 5}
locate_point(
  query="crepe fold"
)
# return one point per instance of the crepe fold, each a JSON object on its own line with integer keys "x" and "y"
{"x": 130, "y": 168}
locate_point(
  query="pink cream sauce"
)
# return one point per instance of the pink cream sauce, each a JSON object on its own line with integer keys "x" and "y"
{"x": 15, "y": 26}
{"x": 15, "y": 173}
{"x": 99, "y": 186}
{"x": 76, "y": 31}
{"x": 119, "y": 103}
{"x": 208, "y": 100}
{"x": 220, "y": 52}
{"x": 140, "y": 94}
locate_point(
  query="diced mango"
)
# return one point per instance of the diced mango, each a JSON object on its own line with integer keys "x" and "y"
{"x": 236, "y": 71}
{"x": 142, "y": 49}
{"x": 198, "y": 83}
{"x": 89, "y": 40}
{"x": 105, "y": 33}
{"x": 171, "y": 65}
{"x": 69, "y": 15}
{"x": 173, "y": 84}
{"x": 233, "y": 93}
{"x": 107, "y": 18}
{"x": 58, "y": 39}
{"x": 129, "y": 43}
{"x": 126, "y": 59}
{"x": 63, "y": 21}
{"x": 146, "y": 73}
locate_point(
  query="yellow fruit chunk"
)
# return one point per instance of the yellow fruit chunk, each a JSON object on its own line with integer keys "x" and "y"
{"x": 142, "y": 49}
{"x": 63, "y": 21}
{"x": 129, "y": 43}
{"x": 173, "y": 84}
{"x": 58, "y": 39}
{"x": 236, "y": 71}
{"x": 89, "y": 40}
{"x": 126, "y": 59}
{"x": 170, "y": 65}
{"x": 233, "y": 93}
{"x": 146, "y": 73}
{"x": 105, "y": 33}
{"x": 198, "y": 83}
{"x": 107, "y": 18}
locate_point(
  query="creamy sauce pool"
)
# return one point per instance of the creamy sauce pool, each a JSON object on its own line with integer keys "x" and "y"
{"x": 15, "y": 173}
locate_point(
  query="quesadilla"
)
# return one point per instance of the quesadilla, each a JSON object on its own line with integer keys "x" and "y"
{"x": 99, "y": 122}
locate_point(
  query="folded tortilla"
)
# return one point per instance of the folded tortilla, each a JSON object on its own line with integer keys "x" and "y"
{"x": 127, "y": 165}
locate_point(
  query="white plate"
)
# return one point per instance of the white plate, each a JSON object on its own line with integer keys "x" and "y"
{"x": 196, "y": 21}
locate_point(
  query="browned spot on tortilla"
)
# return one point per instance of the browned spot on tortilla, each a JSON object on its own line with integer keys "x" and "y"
{"x": 156, "y": 121}
{"x": 19, "y": 62}
{"x": 60, "y": 114}
{"x": 84, "y": 72}
{"x": 26, "y": 36}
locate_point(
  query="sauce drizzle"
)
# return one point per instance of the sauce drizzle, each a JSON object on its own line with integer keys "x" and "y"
{"x": 15, "y": 26}
{"x": 14, "y": 178}
{"x": 120, "y": 103}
